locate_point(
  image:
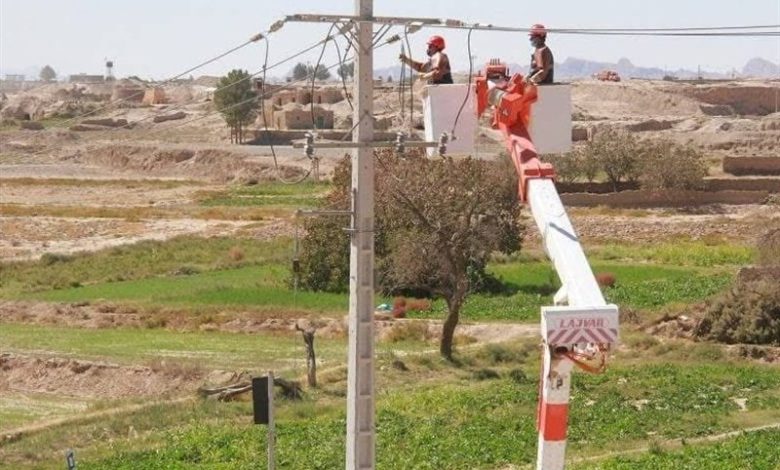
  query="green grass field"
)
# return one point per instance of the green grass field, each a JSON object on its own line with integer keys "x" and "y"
{"x": 449, "y": 420}
{"x": 434, "y": 415}
{"x": 223, "y": 272}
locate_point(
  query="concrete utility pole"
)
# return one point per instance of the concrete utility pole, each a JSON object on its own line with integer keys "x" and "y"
{"x": 360, "y": 379}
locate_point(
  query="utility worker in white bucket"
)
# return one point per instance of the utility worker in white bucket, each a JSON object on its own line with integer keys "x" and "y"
{"x": 542, "y": 61}
{"x": 437, "y": 70}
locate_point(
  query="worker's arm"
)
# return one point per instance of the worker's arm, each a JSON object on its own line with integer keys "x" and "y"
{"x": 435, "y": 68}
{"x": 416, "y": 66}
{"x": 543, "y": 58}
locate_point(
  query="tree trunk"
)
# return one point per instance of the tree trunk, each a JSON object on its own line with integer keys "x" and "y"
{"x": 311, "y": 361}
{"x": 448, "y": 331}
{"x": 454, "y": 303}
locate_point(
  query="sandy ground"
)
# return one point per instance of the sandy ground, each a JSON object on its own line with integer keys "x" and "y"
{"x": 31, "y": 237}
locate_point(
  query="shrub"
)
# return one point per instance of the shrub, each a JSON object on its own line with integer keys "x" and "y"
{"x": 749, "y": 313}
{"x": 666, "y": 165}
{"x": 769, "y": 248}
{"x": 47, "y": 259}
{"x": 568, "y": 166}
{"x": 617, "y": 154}
{"x": 518, "y": 376}
{"x": 497, "y": 353}
{"x": 236, "y": 253}
{"x": 407, "y": 331}
{"x": 486, "y": 374}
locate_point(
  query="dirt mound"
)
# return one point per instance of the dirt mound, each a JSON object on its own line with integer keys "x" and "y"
{"x": 71, "y": 315}
{"x": 746, "y": 100}
{"x": 615, "y": 100}
{"x": 89, "y": 379}
{"x": 210, "y": 164}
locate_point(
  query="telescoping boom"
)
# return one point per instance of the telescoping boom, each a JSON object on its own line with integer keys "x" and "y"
{"x": 581, "y": 327}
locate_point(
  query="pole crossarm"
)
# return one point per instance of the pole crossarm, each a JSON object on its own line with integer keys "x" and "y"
{"x": 375, "y": 144}
{"x": 749, "y": 30}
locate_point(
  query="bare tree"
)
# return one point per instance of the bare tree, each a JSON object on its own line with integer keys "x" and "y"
{"x": 437, "y": 221}
{"x": 443, "y": 218}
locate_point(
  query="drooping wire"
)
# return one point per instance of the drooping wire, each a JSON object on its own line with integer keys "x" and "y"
{"x": 402, "y": 86}
{"x": 279, "y": 175}
{"x": 287, "y": 86}
{"x": 316, "y": 71}
{"x": 342, "y": 72}
{"x": 411, "y": 79}
{"x": 468, "y": 86}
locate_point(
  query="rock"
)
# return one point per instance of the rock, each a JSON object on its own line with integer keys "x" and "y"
{"x": 105, "y": 122}
{"x": 579, "y": 134}
{"x": 717, "y": 110}
{"x": 31, "y": 125}
{"x": 170, "y": 117}
{"x": 650, "y": 125}
{"x": 86, "y": 128}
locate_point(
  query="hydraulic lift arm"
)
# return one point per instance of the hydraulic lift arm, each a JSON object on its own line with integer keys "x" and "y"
{"x": 581, "y": 325}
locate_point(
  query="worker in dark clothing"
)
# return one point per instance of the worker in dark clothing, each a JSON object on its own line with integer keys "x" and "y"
{"x": 437, "y": 70}
{"x": 542, "y": 61}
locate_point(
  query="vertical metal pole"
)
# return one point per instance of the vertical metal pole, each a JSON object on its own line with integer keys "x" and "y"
{"x": 360, "y": 379}
{"x": 271, "y": 426}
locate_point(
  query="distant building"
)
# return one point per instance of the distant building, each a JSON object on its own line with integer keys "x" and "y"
{"x": 154, "y": 95}
{"x": 14, "y": 78}
{"x": 293, "y": 116}
{"x": 84, "y": 78}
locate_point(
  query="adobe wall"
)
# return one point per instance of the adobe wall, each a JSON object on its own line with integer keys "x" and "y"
{"x": 745, "y": 100}
{"x": 771, "y": 185}
{"x": 752, "y": 165}
{"x": 667, "y": 198}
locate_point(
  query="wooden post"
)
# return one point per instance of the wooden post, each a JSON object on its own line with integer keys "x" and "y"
{"x": 271, "y": 426}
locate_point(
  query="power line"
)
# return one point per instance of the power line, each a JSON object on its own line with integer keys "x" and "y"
{"x": 182, "y": 105}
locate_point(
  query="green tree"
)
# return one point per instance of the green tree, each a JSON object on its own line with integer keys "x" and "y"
{"x": 437, "y": 220}
{"x": 346, "y": 70}
{"x": 48, "y": 74}
{"x": 300, "y": 71}
{"x": 321, "y": 73}
{"x": 235, "y": 98}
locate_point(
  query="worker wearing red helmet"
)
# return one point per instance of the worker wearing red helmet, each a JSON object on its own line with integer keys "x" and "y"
{"x": 542, "y": 61}
{"x": 437, "y": 69}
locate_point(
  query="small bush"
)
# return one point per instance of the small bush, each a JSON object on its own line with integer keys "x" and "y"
{"x": 47, "y": 259}
{"x": 497, "y": 354}
{"x": 617, "y": 154}
{"x": 408, "y": 331}
{"x": 749, "y": 313}
{"x": 518, "y": 376}
{"x": 236, "y": 253}
{"x": 185, "y": 270}
{"x": 666, "y": 165}
{"x": 486, "y": 374}
{"x": 769, "y": 248}
{"x": 568, "y": 166}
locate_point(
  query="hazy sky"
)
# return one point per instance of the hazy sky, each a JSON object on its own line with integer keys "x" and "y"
{"x": 160, "y": 38}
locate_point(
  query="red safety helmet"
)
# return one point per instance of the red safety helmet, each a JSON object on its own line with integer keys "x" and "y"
{"x": 538, "y": 30}
{"x": 437, "y": 42}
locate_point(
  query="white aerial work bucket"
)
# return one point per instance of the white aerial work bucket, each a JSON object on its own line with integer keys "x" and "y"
{"x": 550, "y": 126}
{"x": 441, "y": 104}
